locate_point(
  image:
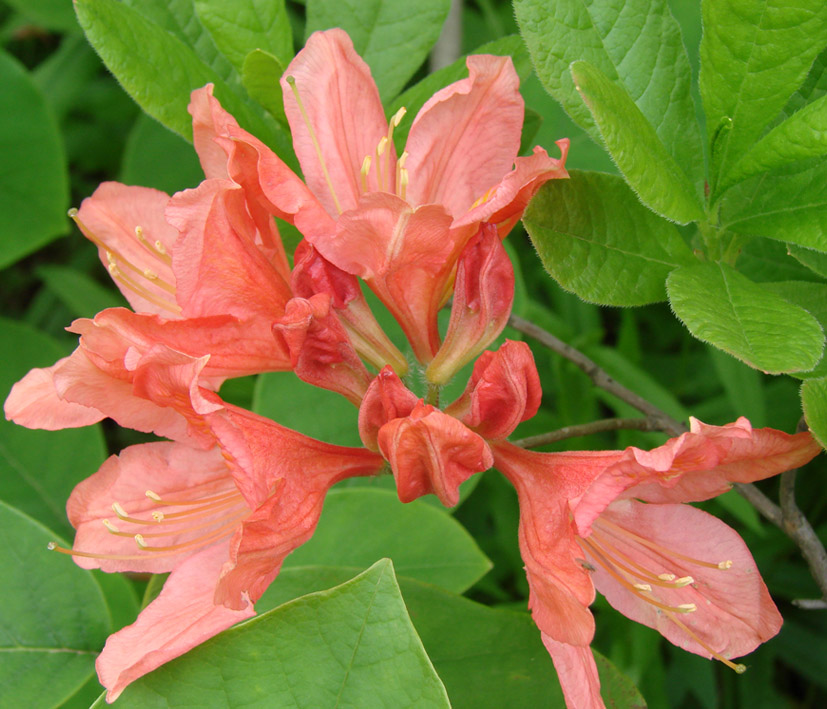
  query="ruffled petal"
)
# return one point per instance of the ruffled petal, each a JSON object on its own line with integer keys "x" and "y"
{"x": 387, "y": 398}
{"x": 341, "y": 102}
{"x": 182, "y": 616}
{"x": 209, "y": 120}
{"x": 466, "y": 136}
{"x": 577, "y": 673}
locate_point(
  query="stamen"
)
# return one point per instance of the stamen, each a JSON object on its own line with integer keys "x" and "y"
{"x": 667, "y": 577}
{"x": 400, "y": 169}
{"x": 687, "y": 607}
{"x": 643, "y": 587}
{"x": 182, "y": 530}
{"x": 200, "y": 541}
{"x": 200, "y": 501}
{"x": 157, "y": 250}
{"x": 739, "y": 668}
{"x": 111, "y": 527}
{"x": 403, "y": 183}
{"x": 292, "y": 81}
{"x": 118, "y": 275}
{"x": 395, "y": 120}
{"x": 612, "y": 551}
{"x": 380, "y": 174}
{"x": 363, "y": 173}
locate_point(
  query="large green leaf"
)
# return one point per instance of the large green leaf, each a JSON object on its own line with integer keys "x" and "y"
{"x": 803, "y": 135}
{"x": 754, "y": 54}
{"x": 353, "y": 645}
{"x": 53, "y": 618}
{"x": 812, "y": 297}
{"x": 789, "y": 205}
{"x": 487, "y": 658}
{"x": 360, "y": 525}
{"x": 160, "y": 71}
{"x": 814, "y": 399}
{"x": 726, "y": 309}
{"x": 78, "y": 292}
{"x": 53, "y": 15}
{"x": 38, "y": 469}
{"x": 243, "y": 25}
{"x": 652, "y": 173}
{"x": 634, "y": 42}
{"x": 260, "y": 75}
{"x": 816, "y": 261}
{"x": 34, "y": 193}
{"x": 597, "y": 240}
{"x": 393, "y": 37}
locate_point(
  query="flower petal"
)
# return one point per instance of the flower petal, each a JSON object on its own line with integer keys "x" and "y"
{"x": 734, "y": 610}
{"x": 387, "y": 398}
{"x": 466, "y": 136}
{"x": 341, "y": 102}
{"x": 182, "y": 616}
{"x": 577, "y": 673}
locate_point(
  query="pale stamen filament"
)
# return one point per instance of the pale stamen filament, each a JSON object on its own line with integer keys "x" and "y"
{"x": 222, "y": 531}
{"x": 665, "y": 580}
{"x": 119, "y": 276}
{"x": 380, "y": 151}
{"x": 363, "y": 173}
{"x": 401, "y": 174}
{"x": 663, "y": 550}
{"x": 155, "y": 497}
{"x": 395, "y": 120}
{"x": 172, "y": 517}
{"x": 739, "y": 668}
{"x": 292, "y": 81}
{"x": 633, "y": 588}
{"x": 157, "y": 249}
{"x": 167, "y": 532}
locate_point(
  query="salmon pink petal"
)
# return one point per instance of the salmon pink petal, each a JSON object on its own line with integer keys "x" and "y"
{"x": 320, "y": 348}
{"x": 182, "y": 616}
{"x": 387, "y": 398}
{"x": 503, "y": 391}
{"x": 209, "y": 120}
{"x": 466, "y": 136}
{"x": 712, "y": 571}
{"x": 577, "y": 673}
{"x": 199, "y": 481}
{"x": 431, "y": 452}
{"x": 34, "y": 403}
{"x": 483, "y": 293}
{"x": 341, "y": 102}
{"x": 696, "y": 466}
{"x": 505, "y": 203}
{"x": 219, "y": 267}
{"x": 406, "y": 257}
{"x": 134, "y": 242}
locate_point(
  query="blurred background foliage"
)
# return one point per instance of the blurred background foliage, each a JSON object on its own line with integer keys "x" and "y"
{"x": 75, "y": 128}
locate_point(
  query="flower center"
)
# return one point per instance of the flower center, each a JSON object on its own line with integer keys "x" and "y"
{"x": 143, "y": 281}
{"x": 180, "y": 524}
{"x": 602, "y": 547}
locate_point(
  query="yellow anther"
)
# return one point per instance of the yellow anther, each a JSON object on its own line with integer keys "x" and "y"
{"x": 403, "y": 182}
{"x": 725, "y": 564}
{"x": 150, "y": 274}
{"x": 684, "y": 581}
{"x": 51, "y": 546}
{"x": 161, "y": 248}
{"x": 139, "y": 540}
{"x": 398, "y": 116}
{"x": 364, "y": 172}
{"x": 72, "y": 213}
{"x": 687, "y": 607}
{"x": 642, "y": 586}
{"x": 153, "y": 495}
{"x": 111, "y": 527}
{"x": 120, "y": 511}
{"x": 739, "y": 668}
{"x": 158, "y": 516}
{"x": 667, "y": 577}
{"x": 382, "y": 145}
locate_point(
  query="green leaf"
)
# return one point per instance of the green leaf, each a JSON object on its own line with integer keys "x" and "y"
{"x": 78, "y": 292}
{"x": 353, "y": 645}
{"x": 276, "y": 396}
{"x": 803, "y": 135}
{"x": 243, "y": 25}
{"x": 66, "y": 73}
{"x": 634, "y": 145}
{"x": 179, "y": 19}
{"x": 424, "y": 542}
{"x": 55, "y": 15}
{"x": 637, "y": 44}
{"x": 34, "y": 192}
{"x": 598, "y": 241}
{"x": 260, "y": 75}
{"x": 754, "y": 54}
{"x": 53, "y": 618}
{"x": 771, "y": 260}
{"x": 156, "y": 157}
{"x": 813, "y": 88}
{"x": 814, "y": 401}
{"x": 812, "y": 297}
{"x": 789, "y": 205}
{"x": 816, "y": 261}
{"x": 393, "y": 37}
{"x": 38, "y": 469}
{"x": 742, "y": 385}
{"x": 159, "y": 71}
{"x": 726, "y": 309}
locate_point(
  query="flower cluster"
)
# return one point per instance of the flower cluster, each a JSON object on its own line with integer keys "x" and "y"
{"x": 230, "y": 494}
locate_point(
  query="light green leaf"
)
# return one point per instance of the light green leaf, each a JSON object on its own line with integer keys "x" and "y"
{"x": 813, "y": 88}
{"x": 34, "y": 192}
{"x": 597, "y": 240}
{"x": 803, "y": 135}
{"x": 726, "y": 309}
{"x": 424, "y": 542}
{"x": 353, "y": 645}
{"x": 276, "y": 396}
{"x": 78, "y": 292}
{"x": 156, "y": 157}
{"x": 393, "y": 37}
{"x": 770, "y": 260}
{"x": 754, "y": 54}
{"x": 260, "y": 75}
{"x": 789, "y": 205}
{"x": 53, "y": 618}
{"x": 816, "y": 261}
{"x": 243, "y": 25}
{"x": 38, "y": 469}
{"x": 179, "y": 19}
{"x": 812, "y": 297}
{"x": 637, "y": 44}
{"x": 159, "y": 71}
{"x": 634, "y": 145}
{"x": 814, "y": 400}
